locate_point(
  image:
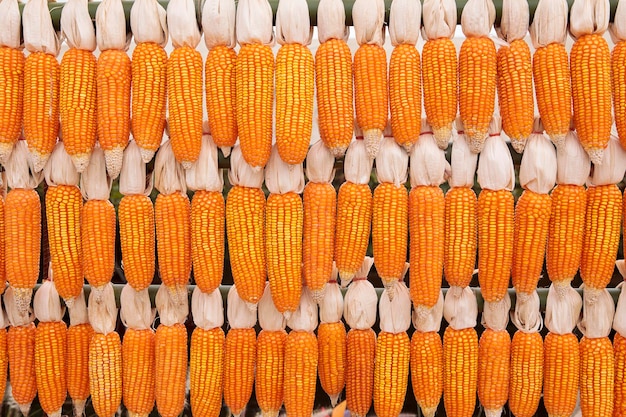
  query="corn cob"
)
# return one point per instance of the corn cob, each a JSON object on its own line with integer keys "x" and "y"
{"x": 361, "y": 353}
{"x": 301, "y": 358}
{"x": 105, "y": 372}
{"x": 597, "y": 372}
{"x": 269, "y": 373}
{"x": 171, "y": 368}
{"x": 12, "y": 98}
{"x": 561, "y": 366}
{"x": 405, "y": 94}
{"x": 4, "y": 359}
{"x": 526, "y": 373}
{"x": 137, "y": 235}
{"x": 239, "y": 363}
{"x": 3, "y": 260}
{"x": 460, "y": 236}
{"x": 460, "y": 357}
{"x": 220, "y": 79}
{"x": 331, "y": 339}
{"x": 79, "y": 336}
{"x": 494, "y": 351}
{"x": 138, "y": 372}
{"x": 427, "y": 370}
{"x": 207, "y": 238}
{"x": 206, "y": 364}
{"x": 21, "y": 350}
{"x": 391, "y": 373}
{"x": 618, "y": 72}
{"x": 619, "y": 349}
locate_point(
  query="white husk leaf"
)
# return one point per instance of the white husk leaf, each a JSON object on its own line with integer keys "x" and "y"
{"x": 563, "y": 307}
{"x": 359, "y": 308}
{"x": 4, "y": 321}
{"x": 148, "y": 22}
{"x": 402, "y": 18}
{"x": 293, "y": 24}
{"x": 478, "y": 17}
{"x": 10, "y": 24}
{"x": 368, "y": 17}
{"x": 496, "y": 315}
{"x": 588, "y": 17}
{"x": 78, "y": 310}
{"x": 392, "y": 163}
{"x": 538, "y": 168}
{"x": 598, "y": 312}
{"x": 95, "y": 184}
{"x": 395, "y": 317}
{"x": 618, "y": 27}
{"x": 429, "y": 320}
{"x": 240, "y": 316}
{"x": 619, "y": 322}
{"x": 362, "y": 272}
{"x": 572, "y": 162}
{"x": 218, "y": 23}
{"x": 305, "y": 316}
{"x": 613, "y": 165}
{"x": 331, "y": 305}
{"x": 111, "y": 26}
{"x": 514, "y": 21}
{"x": 136, "y": 312}
{"x": 527, "y": 316}
{"x": 460, "y": 308}
{"x": 47, "y": 303}
{"x": 39, "y": 34}
{"x": 550, "y": 23}
{"x": 462, "y": 161}
{"x": 169, "y": 175}
{"x": 254, "y": 22}
{"x": 77, "y": 27}
{"x": 428, "y": 162}
{"x": 357, "y": 165}
{"x": 133, "y": 174}
{"x": 207, "y": 309}
{"x": 171, "y": 311}
{"x": 182, "y": 23}
{"x": 495, "y": 167}
{"x": 320, "y": 163}
{"x": 20, "y": 168}
{"x": 13, "y": 313}
{"x": 205, "y": 173}
{"x": 59, "y": 169}
{"x": 270, "y": 318}
{"x": 282, "y": 178}
{"x": 241, "y": 173}
{"x": 103, "y": 313}
{"x": 439, "y": 19}
{"x": 331, "y": 21}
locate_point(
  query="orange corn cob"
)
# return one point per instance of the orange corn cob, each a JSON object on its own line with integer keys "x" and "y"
{"x": 301, "y": 356}
{"x": 391, "y": 373}
{"x": 78, "y": 340}
{"x": 98, "y": 241}
{"x": 149, "y": 82}
{"x": 360, "y": 355}
{"x": 561, "y": 365}
{"x": 11, "y": 97}
{"x": 590, "y": 61}
{"x": 477, "y": 88}
{"x": 427, "y": 221}
{"x": 207, "y": 239}
{"x": 602, "y": 235}
{"x": 439, "y": 73}
{"x": 3, "y": 277}
{"x": 138, "y": 370}
{"x": 460, "y": 234}
{"x": 254, "y": 70}
{"x": 21, "y": 350}
{"x": 51, "y": 364}
{"x": 220, "y": 81}
{"x": 245, "y": 223}
{"x": 526, "y": 373}
{"x": 239, "y": 363}
{"x": 494, "y": 350}
{"x": 205, "y": 370}
{"x": 333, "y": 79}
{"x": 427, "y": 370}
{"x": 63, "y": 208}
{"x": 619, "y": 349}
{"x": 137, "y": 236}
{"x": 405, "y": 95}
{"x": 171, "y": 369}
{"x": 460, "y": 368}
{"x": 597, "y": 371}
{"x": 105, "y": 373}
{"x": 331, "y": 340}
{"x": 618, "y": 72}
{"x": 370, "y": 88}
{"x": 270, "y": 370}
{"x": 354, "y": 222}
{"x": 4, "y": 360}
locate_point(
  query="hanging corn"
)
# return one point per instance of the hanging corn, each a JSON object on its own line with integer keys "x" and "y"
{"x": 619, "y": 348}
{"x": 4, "y": 355}
{"x": 79, "y": 336}
{"x": 618, "y": 70}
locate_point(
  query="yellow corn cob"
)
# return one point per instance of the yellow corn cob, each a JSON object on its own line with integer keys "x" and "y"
{"x": 590, "y": 61}
{"x": 602, "y": 235}
{"x": 294, "y": 101}
{"x": 460, "y": 236}
{"x": 3, "y": 277}
{"x": 78, "y": 340}
{"x": 63, "y": 208}
{"x": 561, "y": 365}
{"x": 98, "y": 241}
{"x": 439, "y": 73}
{"x": 370, "y": 88}
{"x": 553, "y": 90}
{"x": 137, "y": 236}
{"x": 405, "y": 95}
{"x": 173, "y": 231}
{"x": 270, "y": 370}
{"x": 78, "y": 104}
{"x": 205, "y": 370}
{"x": 138, "y": 371}
{"x": 21, "y": 350}
{"x": 331, "y": 340}
{"x": 526, "y": 373}
{"x": 220, "y": 80}
{"x": 283, "y": 243}
{"x": 11, "y": 97}
{"x": 390, "y": 230}
{"x": 354, "y": 222}
{"x": 184, "y": 94}
{"x": 245, "y": 223}
{"x": 618, "y": 72}
{"x": 239, "y": 363}
{"x": 333, "y": 78}
{"x": 427, "y": 222}
{"x": 619, "y": 349}
{"x": 41, "y": 105}
{"x": 460, "y": 368}
{"x": 4, "y": 360}
{"x": 477, "y": 88}
{"x": 51, "y": 364}
{"x": 171, "y": 369}
{"x": 427, "y": 370}
{"x": 494, "y": 350}
{"x": 207, "y": 239}
{"x": 391, "y": 373}
{"x": 105, "y": 373}
{"x": 254, "y": 69}
{"x": 515, "y": 91}
{"x": 301, "y": 356}
{"x": 597, "y": 371}
{"x": 567, "y": 228}
{"x": 149, "y": 82}
{"x": 360, "y": 355}
{"x": 532, "y": 218}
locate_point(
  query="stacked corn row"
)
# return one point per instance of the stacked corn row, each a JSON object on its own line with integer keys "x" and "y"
{"x": 79, "y": 335}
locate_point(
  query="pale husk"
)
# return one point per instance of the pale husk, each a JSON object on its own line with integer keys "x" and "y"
{"x": 205, "y": 173}
{"x": 477, "y": 18}
{"x": 331, "y": 21}
{"x": 20, "y": 168}
{"x": 293, "y": 24}
{"x": 331, "y": 305}
{"x": 360, "y": 301}
{"x": 495, "y": 167}
{"x": 270, "y": 318}
{"x": 392, "y": 163}
{"x": 563, "y": 307}
{"x": 514, "y": 20}
{"x": 77, "y": 27}
{"x": 549, "y": 23}
{"x": 182, "y": 23}
{"x": 537, "y": 171}
{"x": 527, "y": 316}
{"x": 357, "y": 165}
{"x": 368, "y": 17}
{"x": 148, "y": 22}
{"x": 95, "y": 184}
{"x": 10, "y": 24}
{"x": 254, "y": 22}
{"x": 47, "y": 303}
{"x": 103, "y": 313}
{"x": 428, "y": 162}
{"x": 305, "y": 316}
{"x": 282, "y": 178}
{"x": 133, "y": 179}
{"x": 496, "y": 315}
{"x": 395, "y": 317}
{"x": 78, "y": 310}
{"x": 463, "y": 161}
{"x": 598, "y": 312}
{"x": 218, "y": 23}
{"x": 39, "y": 34}
{"x": 14, "y": 315}
{"x": 4, "y": 321}
{"x": 59, "y": 169}
{"x": 572, "y": 162}
{"x": 172, "y": 310}
{"x": 136, "y": 312}
{"x": 429, "y": 320}
{"x": 589, "y": 17}
{"x": 460, "y": 308}
{"x": 207, "y": 309}
{"x": 617, "y": 29}
{"x": 241, "y": 173}
{"x": 111, "y": 26}
{"x": 613, "y": 165}
{"x": 402, "y": 17}
{"x": 169, "y": 175}
{"x": 240, "y": 316}
{"x": 619, "y": 322}
{"x": 320, "y": 164}
{"x": 439, "y": 19}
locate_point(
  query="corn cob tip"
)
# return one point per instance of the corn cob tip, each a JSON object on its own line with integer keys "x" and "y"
{"x": 56, "y": 413}
{"x": 476, "y": 141}
{"x": 131, "y": 414}
{"x": 5, "y": 152}
{"x": 252, "y": 306}
{"x": 69, "y": 302}
{"x": 178, "y": 293}
{"x": 372, "y": 138}
{"x": 146, "y": 154}
{"x": 81, "y": 161}
{"x": 443, "y": 135}
{"x": 346, "y": 278}
{"x": 390, "y": 288}
{"x": 287, "y": 314}
{"x": 318, "y": 295}
{"x": 428, "y": 411}
{"x": 493, "y": 413}
{"x": 558, "y": 139}
{"x": 25, "y": 408}
{"x": 187, "y": 164}
{"x": 23, "y": 297}
{"x": 79, "y": 407}
{"x": 39, "y": 159}
{"x": 226, "y": 150}
{"x": 595, "y": 155}
{"x": 338, "y": 151}
{"x": 269, "y": 413}
{"x": 113, "y": 159}
{"x": 518, "y": 144}
{"x": 98, "y": 293}
{"x": 334, "y": 399}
